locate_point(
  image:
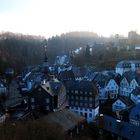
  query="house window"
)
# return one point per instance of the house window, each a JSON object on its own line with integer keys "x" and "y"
{"x": 90, "y": 110}
{"x": 77, "y": 98}
{"x": 85, "y": 104}
{"x": 32, "y": 100}
{"x": 90, "y": 99}
{"x": 132, "y": 132}
{"x": 48, "y": 88}
{"x": 47, "y": 100}
{"x": 76, "y": 91}
{"x": 90, "y": 105}
{"x": 47, "y": 108}
{"x": 81, "y": 104}
{"x": 90, "y": 115}
{"x": 72, "y": 97}
{"x": 86, "y": 98}
{"x": 81, "y": 98}
{"x": 81, "y": 92}
{"x": 72, "y": 103}
{"x": 76, "y": 103}
{"x": 32, "y": 106}
{"x": 90, "y": 93}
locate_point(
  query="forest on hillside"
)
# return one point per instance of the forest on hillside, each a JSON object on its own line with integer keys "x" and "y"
{"x": 18, "y": 50}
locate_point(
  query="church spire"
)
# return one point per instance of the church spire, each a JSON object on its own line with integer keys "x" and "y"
{"x": 45, "y": 56}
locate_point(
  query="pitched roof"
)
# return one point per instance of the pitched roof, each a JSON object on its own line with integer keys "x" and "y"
{"x": 130, "y": 75}
{"x": 136, "y": 91}
{"x": 66, "y": 118}
{"x": 81, "y": 85}
{"x": 66, "y": 75}
{"x": 101, "y": 79}
{"x": 126, "y": 100}
{"x": 52, "y": 87}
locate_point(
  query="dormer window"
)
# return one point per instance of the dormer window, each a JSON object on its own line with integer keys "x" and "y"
{"x": 48, "y": 88}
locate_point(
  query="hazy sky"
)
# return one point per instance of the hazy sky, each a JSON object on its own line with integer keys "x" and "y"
{"x": 51, "y": 17}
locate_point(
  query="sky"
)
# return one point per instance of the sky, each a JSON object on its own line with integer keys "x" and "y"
{"x": 54, "y": 17}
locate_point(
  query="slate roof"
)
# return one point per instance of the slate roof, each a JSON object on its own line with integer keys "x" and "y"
{"x": 136, "y": 91}
{"x": 101, "y": 79}
{"x": 87, "y": 86}
{"x": 130, "y": 75}
{"x": 126, "y": 100}
{"x": 36, "y": 77}
{"x": 66, "y": 118}
{"x": 66, "y": 75}
{"x": 80, "y": 71}
{"x": 54, "y": 87}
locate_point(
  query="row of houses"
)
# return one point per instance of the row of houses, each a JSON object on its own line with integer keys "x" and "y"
{"x": 120, "y": 117}
{"x": 108, "y": 84}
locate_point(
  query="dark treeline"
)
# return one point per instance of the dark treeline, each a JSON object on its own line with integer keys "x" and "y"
{"x": 70, "y": 41}
{"x": 18, "y": 50}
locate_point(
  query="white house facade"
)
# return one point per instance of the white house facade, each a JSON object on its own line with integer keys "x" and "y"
{"x": 125, "y": 66}
{"x": 112, "y": 89}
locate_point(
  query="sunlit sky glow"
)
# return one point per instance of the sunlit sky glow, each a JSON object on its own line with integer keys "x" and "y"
{"x": 51, "y": 17}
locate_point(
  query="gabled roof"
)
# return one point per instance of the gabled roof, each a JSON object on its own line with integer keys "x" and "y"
{"x": 66, "y": 118}
{"x": 126, "y": 100}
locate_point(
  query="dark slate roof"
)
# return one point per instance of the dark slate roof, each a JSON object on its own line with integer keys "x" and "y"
{"x": 126, "y": 100}
{"x": 36, "y": 77}
{"x": 80, "y": 71}
{"x": 130, "y": 75}
{"x": 55, "y": 87}
{"x": 66, "y": 118}
{"x": 136, "y": 91}
{"x": 81, "y": 85}
{"x": 101, "y": 79}
{"x": 66, "y": 75}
